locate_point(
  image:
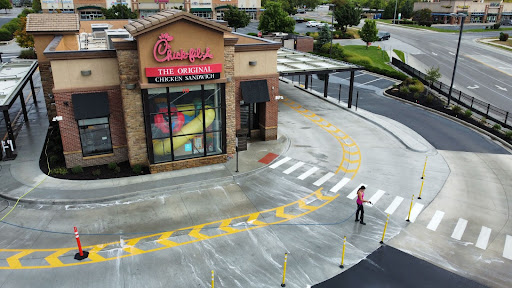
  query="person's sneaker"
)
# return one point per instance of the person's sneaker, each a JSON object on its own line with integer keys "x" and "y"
{"x": 357, "y": 220}
{"x": 362, "y": 222}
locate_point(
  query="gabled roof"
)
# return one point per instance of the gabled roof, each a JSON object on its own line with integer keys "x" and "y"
{"x": 141, "y": 26}
{"x": 54, "y": 22}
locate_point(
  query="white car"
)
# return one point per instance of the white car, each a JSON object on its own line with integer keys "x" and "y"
{"x": 312, "y": 24}
{"x": 321, "y": 25}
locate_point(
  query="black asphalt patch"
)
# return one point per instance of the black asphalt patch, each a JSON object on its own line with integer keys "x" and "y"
{"x": 390, "y": 267}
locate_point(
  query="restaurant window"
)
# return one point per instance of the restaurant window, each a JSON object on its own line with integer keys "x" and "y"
{"x": 95, "y": 136}
{"x": 185, "y": 122}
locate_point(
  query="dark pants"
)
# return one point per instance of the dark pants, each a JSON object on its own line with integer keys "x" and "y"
{"x": 360, "y": 208}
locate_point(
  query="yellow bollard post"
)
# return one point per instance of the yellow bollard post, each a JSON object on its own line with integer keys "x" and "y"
{"x": 421, "y": 189}
{"x": 343, "y": 253}
{"x": 384, "y": 233}
{"x": 424, "y": 166}
{"x": 284, "y": 269}
{"x": 409, "y": 216}
{"x": 213, "y": 279}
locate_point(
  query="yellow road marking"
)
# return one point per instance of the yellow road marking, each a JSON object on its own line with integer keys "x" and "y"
{"x": 345, "y": 140}
{"x": 195, "y": 232}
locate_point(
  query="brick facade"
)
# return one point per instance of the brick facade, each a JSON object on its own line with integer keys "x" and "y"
{"x": 190, "y": 163}
{"x": 71, "y": 137}
{"x": 305, "y": 44}
{"x": 268, "y": 110}
{"x": 132, "y": 107}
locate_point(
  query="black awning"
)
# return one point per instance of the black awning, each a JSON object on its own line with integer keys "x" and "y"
{"x": 90, "y": 105}
{"x": 255, "y": 91}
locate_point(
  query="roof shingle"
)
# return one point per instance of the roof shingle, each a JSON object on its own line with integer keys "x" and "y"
{"x": 46, "y": 22}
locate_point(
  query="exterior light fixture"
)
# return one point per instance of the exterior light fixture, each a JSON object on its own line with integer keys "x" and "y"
{"x": 253, "y": 63}
{"x": 85, "y": 72}
{"x": 130, "y": 86}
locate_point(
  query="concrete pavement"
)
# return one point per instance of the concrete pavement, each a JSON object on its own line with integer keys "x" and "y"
{"x": 180, "y": 202}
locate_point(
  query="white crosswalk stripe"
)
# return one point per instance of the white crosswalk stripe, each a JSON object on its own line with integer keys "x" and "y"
{"x": 459, "y": 229}
{"x": 436, "y": 219}
{"x": 353, "y": 194}
{"x": 280, "y": 162}
{"x": 483, "y": 238}
{"x": 507, "y": 250}
{"x": 375, "y": 197}
{"x": 391, "y": 208}
{"x": 323, "y": 179}
{"x": 308, "y": 173}
{"x": 340, "y": 185}
{"x": 415, "y": 211}
{"x": 293, "y": 168}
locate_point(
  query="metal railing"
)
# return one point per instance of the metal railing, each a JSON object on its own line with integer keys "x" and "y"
{"x": 477, "y": 106}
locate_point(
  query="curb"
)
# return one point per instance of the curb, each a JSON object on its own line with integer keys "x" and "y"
{"x": 458, "y": 120}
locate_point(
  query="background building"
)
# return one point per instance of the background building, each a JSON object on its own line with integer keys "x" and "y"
{"x": 478, "y": 12}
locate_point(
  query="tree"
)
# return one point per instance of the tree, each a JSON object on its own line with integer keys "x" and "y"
{"x": 389, "y": 10}
{"x": 347, "y": 14}
{"x": 275, "y": 19}
{"x": 119, "y": 11}
{"x": 36, "y": 5}
{"x": 309, "y": 3}
{"x": 22, "y": 37}
{"x": 423, "y": 16}
{"x": 369, "y": 32}
{"x": 5, "y": 4}
{"x": 432, "y": 75}
{"x": 236, "y": 18}
{"x": 407, "y": 8}
{"x": 324, "y": 36}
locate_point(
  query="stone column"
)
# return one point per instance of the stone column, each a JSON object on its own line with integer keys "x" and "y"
{"x": 229, "y": 73}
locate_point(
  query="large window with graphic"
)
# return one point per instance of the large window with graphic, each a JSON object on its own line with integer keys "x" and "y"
{"x": 184, "y": 122}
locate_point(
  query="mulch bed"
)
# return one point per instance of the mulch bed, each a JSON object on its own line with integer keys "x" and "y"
{"x": 56, "y": 159}
{"x": 439, "y": 105}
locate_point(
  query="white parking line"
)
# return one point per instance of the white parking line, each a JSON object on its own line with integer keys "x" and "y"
{"x": 436, "y": 219}
{"x": 323, "y": 179}
{"x": 293, "y": 168}
{"x": 369, "y": 81}
{"x": 459, "y": 229}
{"x": 340, "y": 185}
{"x": 308, "y": 173}
{"x": 280, "y": 162}
{"x": 391, "y": 209}
{"x": 416, "y": 209}
{"x": 483, "y": 238}
{"x": 353, "y": 194}
{"x": 507, "y": 250}
{"x": 375, "y": 197}
{"x": 355, "y": 76}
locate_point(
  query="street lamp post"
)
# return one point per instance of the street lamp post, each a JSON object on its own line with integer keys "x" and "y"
{"x": 332, "y": 25}
{"x": 462, "y": 19}
{"x": 394, "y": 16}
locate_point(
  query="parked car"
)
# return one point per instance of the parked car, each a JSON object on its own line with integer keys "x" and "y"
{"x": 312, "y": 23}
{"x": 301, "y": 11}
{"x": 319, "y": 26}
{"x": 383, "y": 35}
{"x": 506, "y": 22}
{"x": 298, "y": 19}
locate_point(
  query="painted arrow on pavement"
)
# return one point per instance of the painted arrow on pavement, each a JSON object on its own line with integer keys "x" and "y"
{"x": 473, "y": 87}
{"x": 501, "y": 88}
{"x": 434, "y": 54}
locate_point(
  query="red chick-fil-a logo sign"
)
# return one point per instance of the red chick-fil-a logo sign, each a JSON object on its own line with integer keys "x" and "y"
{"x": 163, "y": 51}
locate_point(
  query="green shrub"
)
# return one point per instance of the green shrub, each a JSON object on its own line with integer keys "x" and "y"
{"x": 508, "y": 135}
{"x": 25, "y": 12}
{"x": 137, "y": 169}
{"x": 483, "y": 120}
{"x": 430, "y": 98}
{"x": 77, "y": 170}
{"x": 117, "y": 169}
{"x": 112, "y": 165}
{"x": 417, "y": 87}
{"x": 503, "y": 36}
{"x": 468, "y": 113}
{"x": 5, "y": 35}
{"x": 12, "y": 25}
{"x": 28, "y": 54}
{"x": 496, "y": 26}
{"x": 456, "y": 109}
{"x": 252, "y": 34}
{"x": 359, "y": 60}
{"x": 59, "y": 171}
{"x": 416, "y": 95}
{"x": 404, "y": 90}
{"x": 96, "y": 172}
{"x": 496, "y": 127}
{"x": 53, "y": 159}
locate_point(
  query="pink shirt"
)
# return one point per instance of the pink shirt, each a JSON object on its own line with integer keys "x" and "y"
{"x": 362, "y": 196}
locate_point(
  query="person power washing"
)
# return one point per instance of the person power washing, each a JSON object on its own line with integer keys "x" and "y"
{"x": 360, "y": 200}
